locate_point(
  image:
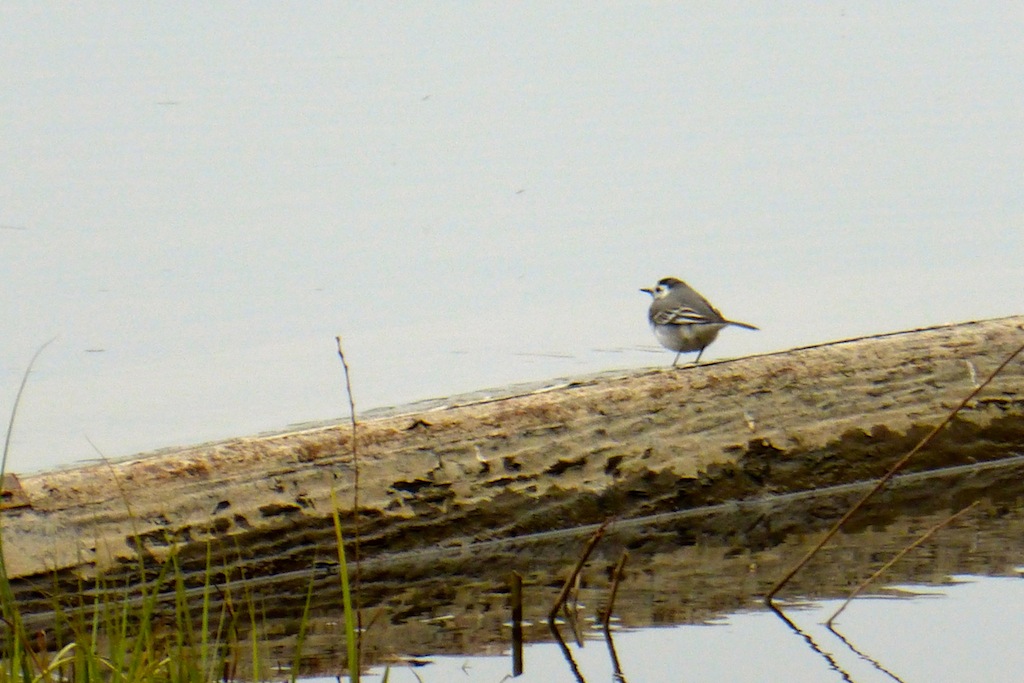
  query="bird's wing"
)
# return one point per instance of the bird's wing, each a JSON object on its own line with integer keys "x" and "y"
{"x": 684, "y": 315}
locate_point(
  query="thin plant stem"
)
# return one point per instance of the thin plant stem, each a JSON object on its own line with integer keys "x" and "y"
{"x": 889, "y": 475}
{"x": 355, "y": 496}
{"x": 17, "y": 402}
{"x": 351, "y": 627}
{"x": 571, "y": 581}
{"x": 616, "y": 578}
{"x": 132, "y": 518}
{"x": 8, "y": 608}
{"x": 885, "y": 567}
{"x": 516, "y": 580}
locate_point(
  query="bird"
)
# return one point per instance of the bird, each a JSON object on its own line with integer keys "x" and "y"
{"x": 682, "y": 319}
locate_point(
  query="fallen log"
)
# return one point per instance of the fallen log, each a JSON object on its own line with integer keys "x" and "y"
{"x": 620, "y": 444}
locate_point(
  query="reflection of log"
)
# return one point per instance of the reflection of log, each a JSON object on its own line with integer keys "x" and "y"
{"x": 621, "y": 444}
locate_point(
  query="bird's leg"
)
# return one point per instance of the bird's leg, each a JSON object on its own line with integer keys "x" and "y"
{"x": 699, "y": 354}
{"x": 676, "y": 359}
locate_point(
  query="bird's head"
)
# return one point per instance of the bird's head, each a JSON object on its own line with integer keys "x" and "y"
{"x": 664, "y": 286}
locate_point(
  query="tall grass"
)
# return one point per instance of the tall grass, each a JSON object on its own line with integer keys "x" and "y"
{"x": 145, "y": 627}
{"x": 17, "y": 640}
{"x": 351, "y": 631}
{"x": 121, "y": 630}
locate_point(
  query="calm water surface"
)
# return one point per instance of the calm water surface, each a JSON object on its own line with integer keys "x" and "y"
{"x": 690, "y": 605}
{"x": 930, "y": 637}
{"x": 195, "y": 203}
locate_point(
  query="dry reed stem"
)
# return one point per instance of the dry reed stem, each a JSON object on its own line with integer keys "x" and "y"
{"x": 355, "y": 502}
{"x": 889, "y": 475}
{"x": 616, "y": 577}
{"x": 517, "y": 623}
{"x": 885, "y": 567}
{"x": 571, "y": 581}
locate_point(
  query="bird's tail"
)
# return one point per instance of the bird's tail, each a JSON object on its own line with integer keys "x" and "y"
{"x": 739, "y": 324}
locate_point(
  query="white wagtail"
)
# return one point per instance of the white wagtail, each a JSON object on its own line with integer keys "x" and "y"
{"x": 682, "y": 319}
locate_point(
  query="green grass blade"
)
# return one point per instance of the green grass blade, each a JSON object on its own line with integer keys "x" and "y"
{"x": 346, "y": 595}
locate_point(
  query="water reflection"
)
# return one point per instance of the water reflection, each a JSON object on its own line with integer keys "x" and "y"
{"x": 863, "y": 655}
{"x": 759, "y": 646}
{"x": 936, "y": 633}
{"x": 689, "y": 606}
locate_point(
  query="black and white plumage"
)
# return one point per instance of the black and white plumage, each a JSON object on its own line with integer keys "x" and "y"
{"x": 682, "y": 319}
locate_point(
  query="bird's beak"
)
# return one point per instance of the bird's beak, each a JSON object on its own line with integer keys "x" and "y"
{"x": 648, "y": 290}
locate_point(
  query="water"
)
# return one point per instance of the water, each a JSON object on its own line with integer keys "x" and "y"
{"x": 196, "y": 203}
{"x": 959, "y": 632}
{"x": 689, "y": 606}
